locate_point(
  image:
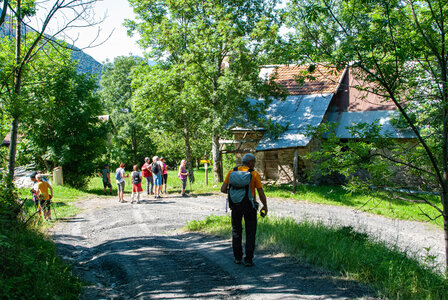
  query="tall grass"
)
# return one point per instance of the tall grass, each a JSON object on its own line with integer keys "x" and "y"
{"x": 30, "y": 268}
{"x": 29, "y": 265}
{"x": 391, "y": 273}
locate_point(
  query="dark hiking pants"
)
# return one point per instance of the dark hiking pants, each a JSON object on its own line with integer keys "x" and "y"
{"x": 149, "y": 180}
{"x": 246, "y": 211}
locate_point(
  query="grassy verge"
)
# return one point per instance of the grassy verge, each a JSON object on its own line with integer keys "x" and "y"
{"x": 29, "y": 266}
{"x": 330, "y": 195}
{"x": 391, "y": 273}
{"x": 380, "y": 205}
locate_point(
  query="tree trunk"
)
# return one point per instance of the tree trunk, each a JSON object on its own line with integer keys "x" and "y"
{"x": 134, "y": 146}
{"x": 17, "y": 88}
{"x": 12, "y": 149}
{"x": 188, "y": 149}
{"x": 217, "y": 159}
{"x": 445, "y": 227}
{"x": 295, "y": 170}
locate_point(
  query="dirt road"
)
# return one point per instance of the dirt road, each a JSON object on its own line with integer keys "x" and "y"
{"x": 134, "y": 251}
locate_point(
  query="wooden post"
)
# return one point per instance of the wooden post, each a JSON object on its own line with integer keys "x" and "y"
{"x": 295, "y": 169}
{"x": 206, "y": 173}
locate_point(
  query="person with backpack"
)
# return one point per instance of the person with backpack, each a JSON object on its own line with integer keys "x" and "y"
{"x": 120, "y": 175}
{"x": 156, "y": 169}
{"x": 240, "y": 185}
{"x": 146, "y": 172}
{"x": 105, "y": 175}
{"x": 136, "y": 178}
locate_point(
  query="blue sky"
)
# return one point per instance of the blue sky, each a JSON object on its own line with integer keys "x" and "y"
{"x": 119, "y": 43}
{"x": 95, "y": 41}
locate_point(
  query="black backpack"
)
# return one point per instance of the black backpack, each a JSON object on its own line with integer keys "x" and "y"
{"x": 136, "y": 178}
{"x": 155, "y": 168}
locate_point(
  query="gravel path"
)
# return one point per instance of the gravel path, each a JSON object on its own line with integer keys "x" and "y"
{"x": 135, "y": 251}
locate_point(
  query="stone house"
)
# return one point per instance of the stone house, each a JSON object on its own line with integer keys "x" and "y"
{"x": 327, "y": 95}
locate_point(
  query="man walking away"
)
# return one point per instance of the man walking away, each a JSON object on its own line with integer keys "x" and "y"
{"x": 105, "y": 174}
{"x": 244, "y": 206}
{"x": 146, "y": 172}
{"x": 120, "y": 176}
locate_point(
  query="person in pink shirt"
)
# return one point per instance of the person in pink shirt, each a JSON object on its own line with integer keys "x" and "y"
{"x": 183, "y": 175}
{"x": 164, "y": 174}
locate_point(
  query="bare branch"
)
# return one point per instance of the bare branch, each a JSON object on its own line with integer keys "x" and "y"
{"x": 3, "y": 15}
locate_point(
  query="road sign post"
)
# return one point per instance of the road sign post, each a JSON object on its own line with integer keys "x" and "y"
{"x": 205, "y": 162}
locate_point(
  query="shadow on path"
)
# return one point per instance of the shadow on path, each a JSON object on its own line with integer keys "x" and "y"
{"x": 194, "y": 265}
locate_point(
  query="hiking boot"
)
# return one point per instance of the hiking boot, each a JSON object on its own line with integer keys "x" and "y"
{"x": 237, "y": 261}
{"x": 248, "y": 263}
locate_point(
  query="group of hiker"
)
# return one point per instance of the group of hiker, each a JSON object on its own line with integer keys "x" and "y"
{"x": 240, "y": 185}
{"x": 155, "y": 173}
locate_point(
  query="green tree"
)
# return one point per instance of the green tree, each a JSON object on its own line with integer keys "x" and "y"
{"x": 399, "y": 49}
{"x": 164, "y": 99}
{"x": 130, "y": 142}
{"x": 216, "y": 45}
{"x": 28, "y": 43}
{"x": 62, "y": 127}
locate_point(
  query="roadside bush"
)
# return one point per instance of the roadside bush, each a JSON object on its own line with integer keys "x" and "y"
{"x": 29, "y": 267}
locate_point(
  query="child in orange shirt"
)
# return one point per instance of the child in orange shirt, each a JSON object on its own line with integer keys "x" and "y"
{"x": 43, "y": 196}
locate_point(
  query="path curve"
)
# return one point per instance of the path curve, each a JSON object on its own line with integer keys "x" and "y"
{"x": 135, "y": 251}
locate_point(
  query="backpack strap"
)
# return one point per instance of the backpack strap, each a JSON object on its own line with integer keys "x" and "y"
{"x": 248, "y": 186}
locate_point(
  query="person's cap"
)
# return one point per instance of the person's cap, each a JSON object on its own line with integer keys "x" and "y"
{"x": 248, "y": 158}
{"x": 147, "y": 158}
{"x": 162, "y": 158}
{"x": 106, "y": 165}
{"x": 33, "y": 175}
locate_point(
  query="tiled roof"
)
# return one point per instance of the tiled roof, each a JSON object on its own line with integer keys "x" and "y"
{"x": 305, "y": 79}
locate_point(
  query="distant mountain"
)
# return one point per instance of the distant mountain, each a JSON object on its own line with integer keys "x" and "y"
{"x": 86, "y": 63}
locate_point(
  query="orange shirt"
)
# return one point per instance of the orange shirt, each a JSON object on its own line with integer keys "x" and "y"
{"x": 43, "y": 189}
{"x": 255, "y": 181}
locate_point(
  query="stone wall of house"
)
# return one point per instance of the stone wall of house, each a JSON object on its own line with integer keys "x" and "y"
{"x": 277, "y": 165}
{"x": 249, "y": 147}
{"x": 286, "y": 165}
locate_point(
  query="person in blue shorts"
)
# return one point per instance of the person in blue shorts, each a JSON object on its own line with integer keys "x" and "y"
{"x": 156, "y": 168}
